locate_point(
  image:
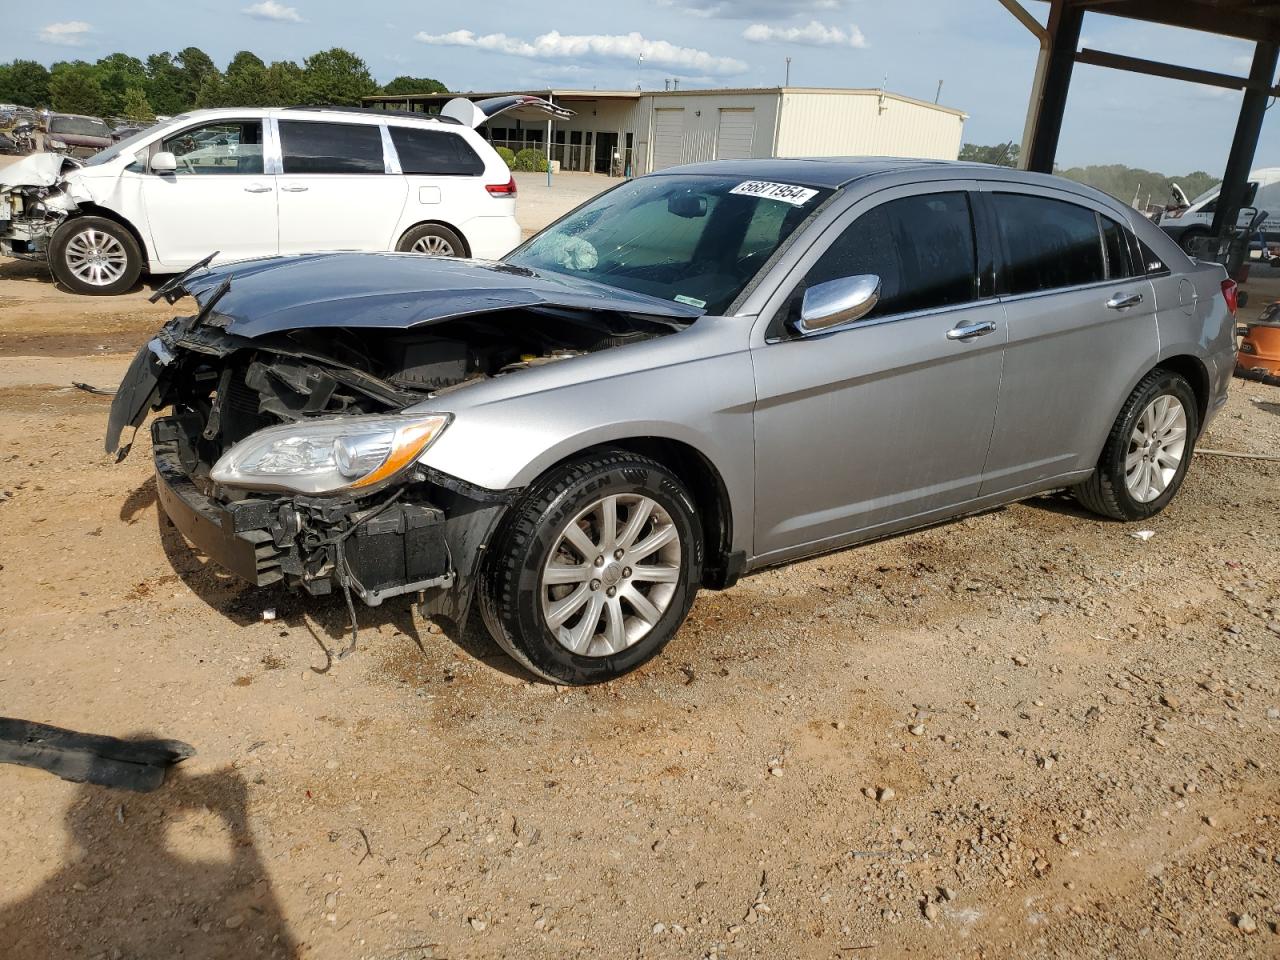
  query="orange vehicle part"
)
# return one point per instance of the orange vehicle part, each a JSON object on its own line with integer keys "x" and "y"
{"x": 1259, "y": 356}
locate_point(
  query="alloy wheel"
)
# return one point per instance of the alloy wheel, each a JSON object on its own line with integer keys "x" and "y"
{"x": 433, "y": 245}
{"x": 1156, "y": 448}
{"x": 611, "y": 575}
{"x": 96, "y": 258}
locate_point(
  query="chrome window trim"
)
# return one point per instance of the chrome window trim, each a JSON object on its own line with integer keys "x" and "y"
{"x": 1037, "y": 294}
{"x": 889, "y": 318}
{"x": 272, "y": 149}
{"x": 390, "y": 159}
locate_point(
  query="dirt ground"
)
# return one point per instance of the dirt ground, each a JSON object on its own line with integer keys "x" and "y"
{"x": 1025, "y": 734}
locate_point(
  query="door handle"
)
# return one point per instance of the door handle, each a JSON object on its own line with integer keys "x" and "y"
{"x": 968, "y": 331}
{"x": 1123, "y": 301}
{"x": 294, "y": 189}
{"x": 257, "y": 188}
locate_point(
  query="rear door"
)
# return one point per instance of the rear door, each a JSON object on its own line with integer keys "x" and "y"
{"x": 337, "y": 190}
{"x": 1081, "y": 321}
{"x": 445, "y": 177}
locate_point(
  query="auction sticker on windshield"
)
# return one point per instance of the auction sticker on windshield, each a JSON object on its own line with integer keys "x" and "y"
{"x": 786, "y": 192}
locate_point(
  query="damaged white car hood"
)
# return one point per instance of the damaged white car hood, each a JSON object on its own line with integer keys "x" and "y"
{"x": 37, "y": 170}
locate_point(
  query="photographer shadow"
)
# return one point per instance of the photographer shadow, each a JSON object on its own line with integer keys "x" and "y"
{"x": 156, "y": 875}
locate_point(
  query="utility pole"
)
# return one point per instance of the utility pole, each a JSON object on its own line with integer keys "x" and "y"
{"x": 938, "y": 96}
{"x": 639, "y": 62}
{"x": 787, "y": 82}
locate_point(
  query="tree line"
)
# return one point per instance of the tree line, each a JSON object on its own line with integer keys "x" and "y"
{"x": 120, "y": 85}
{"x": 1126, "y": 184}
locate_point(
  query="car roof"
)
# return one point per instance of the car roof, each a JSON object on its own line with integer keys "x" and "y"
{"x": 332, "y": 114}
{"x": 824, "y": 172}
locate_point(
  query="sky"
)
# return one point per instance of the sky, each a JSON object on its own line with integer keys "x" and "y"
{"x": 983, "y": 57}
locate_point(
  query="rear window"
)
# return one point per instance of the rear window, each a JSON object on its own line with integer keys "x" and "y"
{"x": 331, "y": 147}
{"x": 1047, "y": 244}
{"x": 79, "y": 127}
{"x": 435, "y": 153}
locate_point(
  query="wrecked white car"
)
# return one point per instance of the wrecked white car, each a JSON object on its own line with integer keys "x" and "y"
{"x": 251, "y": 182}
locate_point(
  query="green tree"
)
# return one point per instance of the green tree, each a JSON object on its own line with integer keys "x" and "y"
{"x": 136, "y": 106}
{"x": 74, "y": 88}
{"x": 164, "y": 84}
{"x": 24, "y": 82}
{"x": 212, "y": 92}
{"x": 194, "y": 68}
{"x": 405, "y": 86}
{"x": 337, "y": 77}
{"x": 245, "y": 82}
{"x": 117, "y": 73}
{"x": 1000, "y": 154}
{"x": 286, "y": 84}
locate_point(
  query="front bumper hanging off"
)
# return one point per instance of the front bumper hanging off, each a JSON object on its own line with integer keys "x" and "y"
{"x": 381, "y": 549}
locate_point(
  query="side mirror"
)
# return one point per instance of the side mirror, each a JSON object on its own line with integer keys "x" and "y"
{"x": 164, "y": 162}
{"x": 830, "y": 304}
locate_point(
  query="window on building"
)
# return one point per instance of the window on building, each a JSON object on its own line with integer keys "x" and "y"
{"x": 331, "y": 147}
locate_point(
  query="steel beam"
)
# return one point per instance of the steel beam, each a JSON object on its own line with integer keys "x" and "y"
{"x": 1253, "y": 108}
{"x": 1154, "y": 68}
{"x": 1049, "y": 100}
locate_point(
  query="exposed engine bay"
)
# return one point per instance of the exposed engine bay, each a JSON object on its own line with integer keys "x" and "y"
{"x": 34, "y": 200}
{"x": 424, "y": 532}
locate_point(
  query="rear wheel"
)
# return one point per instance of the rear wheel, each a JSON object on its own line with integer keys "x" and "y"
{"x": 1147, "y": 452}
{"x": 433, "y": 240}
{"x": 595, "y": 569}
{"x": 95, "y": 256}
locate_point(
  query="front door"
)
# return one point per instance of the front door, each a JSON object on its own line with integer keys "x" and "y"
{"x": 1081, "y": 320}
{"x": 887, "y": 419}
{"x": 335, "y": 189}
{"x": 219, "y": 198}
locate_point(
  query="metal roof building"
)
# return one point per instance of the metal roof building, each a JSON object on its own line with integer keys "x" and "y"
{"x": 631, "y": 132}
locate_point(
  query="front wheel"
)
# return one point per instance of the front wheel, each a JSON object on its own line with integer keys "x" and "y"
{"x": 595, "y": 569}
{"x": 95, "y": 256}
{"x": 1147, "y": 452}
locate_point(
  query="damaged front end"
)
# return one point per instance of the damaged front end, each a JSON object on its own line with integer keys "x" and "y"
{"x": 295, "y": 454}
{"x": 34, "y": 200}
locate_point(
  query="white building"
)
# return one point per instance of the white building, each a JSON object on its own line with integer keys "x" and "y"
{"x": 635, "y": 132}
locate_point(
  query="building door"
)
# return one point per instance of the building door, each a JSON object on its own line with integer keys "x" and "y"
{"x": 606, "y": 146}
{"x": 736, "y": 133}
{"x": 668, "y": 136}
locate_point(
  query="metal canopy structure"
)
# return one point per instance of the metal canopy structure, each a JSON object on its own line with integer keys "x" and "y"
{"x": 1257, "y": 21}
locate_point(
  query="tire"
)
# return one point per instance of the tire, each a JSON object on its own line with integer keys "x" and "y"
{"x": 95, "y": 256}
{"x": 433, "y": 240}
{"x": 539, "y": 534}
{"x": 1110, "y": 491}
{"x": 1190, "y": 238}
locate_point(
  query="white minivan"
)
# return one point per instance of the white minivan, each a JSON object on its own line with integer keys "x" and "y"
{"x": 1187, "y": 225}
{"x": 253, "y": 182}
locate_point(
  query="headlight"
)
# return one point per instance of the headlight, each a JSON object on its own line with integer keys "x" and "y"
{"x": 328, "y": 456}
{"x": 56, "y": 144}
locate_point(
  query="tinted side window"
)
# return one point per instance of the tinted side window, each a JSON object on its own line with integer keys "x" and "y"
{"x": 331, "y": 147}
{"x": 1115, "y": 241}
{"x": 435, "y": 152}
{"x": 921, "y": 248}
{"x": 1047, "y": 243}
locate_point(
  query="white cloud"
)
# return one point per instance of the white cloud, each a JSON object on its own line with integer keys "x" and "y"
{"x": 812, "y": 34}
{"x": 273, "y": 10}
{"x": 750, "y": 9}
{"x": 68, "y": 34}
{"x": 558, "y": 46}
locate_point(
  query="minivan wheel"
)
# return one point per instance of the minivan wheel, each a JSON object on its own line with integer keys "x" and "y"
{"x": 433, "y": 240}
{"x": 595, "y": 568}
{"x": 95, "y": 256}
{"x": 1147, "y": 452}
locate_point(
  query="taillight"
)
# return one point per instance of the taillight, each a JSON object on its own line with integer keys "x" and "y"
{"x": 1229, "y": 291}
{"x": 507, "y": 189}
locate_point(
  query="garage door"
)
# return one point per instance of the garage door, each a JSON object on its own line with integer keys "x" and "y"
{"x": 736, "y": 134}
{"x": 668, "y": 137}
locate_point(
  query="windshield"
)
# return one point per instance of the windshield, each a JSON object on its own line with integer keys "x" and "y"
{"x": 693, "y": 239}
{"x": 124, "y": 146}
{"x": 79, "y": 127}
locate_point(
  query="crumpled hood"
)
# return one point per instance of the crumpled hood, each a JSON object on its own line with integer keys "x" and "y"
{"x": 394, "y": 291}
{"x": 36, "y": 170}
